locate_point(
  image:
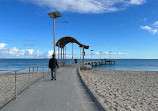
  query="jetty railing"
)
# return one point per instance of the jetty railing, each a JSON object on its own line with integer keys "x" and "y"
{"x": 14, "y": 82}
{"x": 102, "y": 62}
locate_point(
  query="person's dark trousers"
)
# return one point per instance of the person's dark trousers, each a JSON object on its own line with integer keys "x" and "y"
{"x": 53, "y": 73}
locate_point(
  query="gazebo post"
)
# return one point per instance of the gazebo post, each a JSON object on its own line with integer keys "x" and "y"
{"x": 58, "y": 52}
{"x": 80, "y": 55}
{"x": 61, "y": 54}
{"x": 65, "y": 54}
{"x": 72, "y": 53}
{"x": 62, "y": 42}
{"x": 63, "y": 57}
{"x": 83, "y": 55}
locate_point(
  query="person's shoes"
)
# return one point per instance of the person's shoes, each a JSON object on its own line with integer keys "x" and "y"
{"x": 52, "y": 79}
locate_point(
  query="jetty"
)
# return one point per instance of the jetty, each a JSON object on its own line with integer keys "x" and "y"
{"x": 102, "y": 62}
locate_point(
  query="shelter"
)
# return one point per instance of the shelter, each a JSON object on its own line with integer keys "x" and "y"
{"x": 65, "y": 40}
{"x": 61, "y": 43}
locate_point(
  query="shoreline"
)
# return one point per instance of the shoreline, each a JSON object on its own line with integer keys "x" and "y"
{"x": 124, "y": 90}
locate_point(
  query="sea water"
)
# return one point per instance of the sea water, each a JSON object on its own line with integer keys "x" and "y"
{"x": 132, "y": 64}
{"x": 7, "y": 65}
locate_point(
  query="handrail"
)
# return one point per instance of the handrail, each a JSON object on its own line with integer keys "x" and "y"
{"x": 22, "y": 69}
{"x": 16, "y": 80}
{"x": 19, "y": 82}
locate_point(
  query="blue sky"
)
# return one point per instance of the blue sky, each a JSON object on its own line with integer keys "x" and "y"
{"x": 128, "y": 28}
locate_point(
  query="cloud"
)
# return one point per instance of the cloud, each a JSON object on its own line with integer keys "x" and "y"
{"x": 50, "y": 41}
{"x": 29, "y": 44}
{"x": 50, "y": 53}
{"x": 153, "y": 28}
{"x": 31, "y": 53}
{"x": 119, "y": 53}
{"x": 2, "y": 45}
{"x": 23, "y": 53}
{"x": 6, "y": 40}
{"x": 15, "y": 52}
{"x": 30, "y": 40}
{"x": 97, "y": 53}
{"x": 144, "y": 19}
{"x": 110, "y": 53}
{"x": 137, "y": 2}
{"x": 106, "y": 53}
{"x": 114, "y": 53}
{"x": 38, "y": 53}
{"x": 150, "y": 29}
{"x": 87, "y": 6}
{"x": 155, "y": 24}
{"x": 146, "y": 28}
{"x": 26, "y": 53}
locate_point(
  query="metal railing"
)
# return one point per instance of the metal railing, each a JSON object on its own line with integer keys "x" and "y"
{"x": 14, "y": 82}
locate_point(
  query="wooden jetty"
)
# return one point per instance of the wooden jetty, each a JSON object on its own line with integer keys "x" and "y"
{"x": 103, "y": 62}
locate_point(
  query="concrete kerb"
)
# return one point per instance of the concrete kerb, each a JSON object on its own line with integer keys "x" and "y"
{"x": 92, "y": 94}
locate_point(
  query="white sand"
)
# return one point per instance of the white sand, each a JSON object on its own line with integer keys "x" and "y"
{"x": 125, "y": 90}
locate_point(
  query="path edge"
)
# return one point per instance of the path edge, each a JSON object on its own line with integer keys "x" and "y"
{"x": 100, "y": 105}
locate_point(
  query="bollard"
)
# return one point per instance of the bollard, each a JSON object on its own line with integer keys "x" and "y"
{"x": 37, "y": 68}
{"x": 48, "y": 70}
{"x": 43, "y": 70}
{"x": 33, "y": 69}
{"x": 15, "y": 86}
{"x": 29, "y": 69}
{"x": 29, "y": 78}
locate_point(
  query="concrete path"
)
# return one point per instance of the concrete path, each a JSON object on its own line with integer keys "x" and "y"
{"x": 65, "y": 94}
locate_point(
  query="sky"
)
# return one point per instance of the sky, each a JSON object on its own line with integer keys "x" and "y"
{"x": 127, "y": 28}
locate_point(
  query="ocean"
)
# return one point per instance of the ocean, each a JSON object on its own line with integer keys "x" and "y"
{"x": 132, "y": 64}
{"x": 7, "y": 65}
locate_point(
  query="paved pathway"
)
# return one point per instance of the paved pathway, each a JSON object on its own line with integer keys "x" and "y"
{"x": 65, "y": 94}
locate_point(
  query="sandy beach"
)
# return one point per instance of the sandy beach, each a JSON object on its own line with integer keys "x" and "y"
{"x": 125, "y": 90}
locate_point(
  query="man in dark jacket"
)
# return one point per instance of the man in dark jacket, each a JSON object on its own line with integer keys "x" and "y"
{"x": 53, "y": 64}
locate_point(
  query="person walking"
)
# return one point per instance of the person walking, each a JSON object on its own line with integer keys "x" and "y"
{"x": 53, "y": 65}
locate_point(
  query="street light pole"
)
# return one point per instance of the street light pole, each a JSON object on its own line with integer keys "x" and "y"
{"x": 54, "y": 37}
{"x": 72, "y": 53}
{"x": 54, "y": 15}
{"x": 91, "y": 54}
{"x": 83, "y": 55}
{"x": 100, "y": 55}
{"x": 110, "y": 55}
{"x": 80, "y": 55}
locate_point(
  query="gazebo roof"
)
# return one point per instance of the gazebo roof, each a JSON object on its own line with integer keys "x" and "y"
{"x": 65, "y": 40}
